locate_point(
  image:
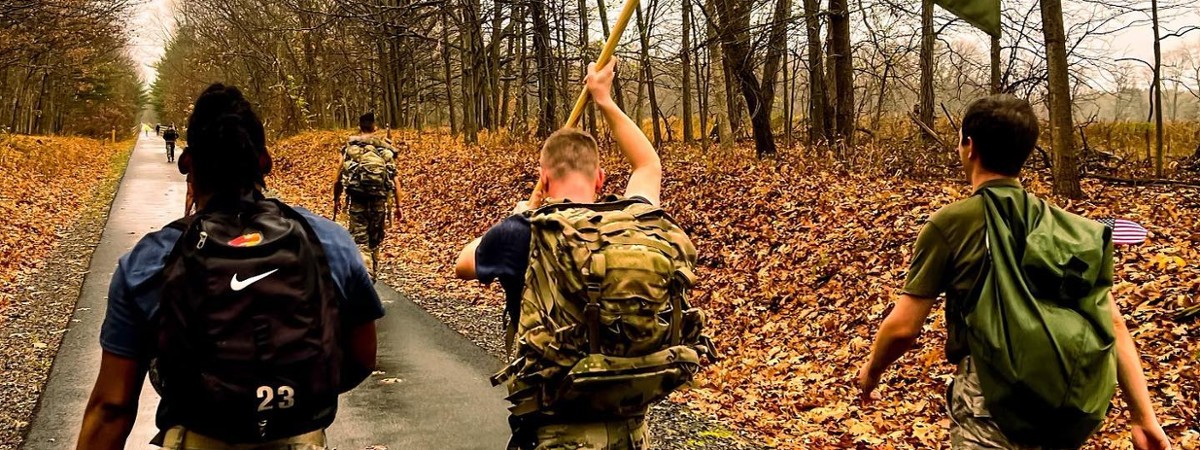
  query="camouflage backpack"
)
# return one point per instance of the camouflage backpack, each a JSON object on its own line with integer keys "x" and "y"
{"x": 605, "y": 327}
{"x": 368, "y": 167}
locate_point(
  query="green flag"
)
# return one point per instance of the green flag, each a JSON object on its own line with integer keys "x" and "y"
{"x": 984, "y": 14}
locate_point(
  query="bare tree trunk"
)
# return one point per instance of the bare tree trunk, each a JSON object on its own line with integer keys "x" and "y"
{"x": 927, "y": 37}
{"x": 469, "y": 39}
{"x": 887, "y": 72}
{"x": 1066, "y": 164}
{"x": 644, "y": 36}
{"x": 618, "y": 93}
{"x": 446, "y": 64}
{"x": 787, "y": 103}
{"x": 794, "y": 97}
{"x": 493, "y": 82}
{"x": 523, "y": 97}
{"x": 818, "y": 102}
{"x": 547, "y": 92}
{"x": 733, "y": 98}
{"x": 584, "y": 58}
{"x": 685, "y": 57}
{"x": 716, "y": 63}
{"x": 561, "y": 59}
{"x": 702, "y": 71}
{"x": 504, "y": 96}
{"x": 735, "y": 35}
{"x": 843, "y": 68}
{"x": 1158, "y": 119}
{"x": 995, "y": 54}
{"x": 776, "y": 46}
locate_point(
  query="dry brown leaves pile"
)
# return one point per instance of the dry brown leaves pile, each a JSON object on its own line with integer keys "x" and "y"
{"x": 799, "y": 262}
{"x": 47, "y": 181}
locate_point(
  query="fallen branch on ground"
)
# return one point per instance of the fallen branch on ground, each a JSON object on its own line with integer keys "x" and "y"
{"x": 929, "y": 131}
{"x": 1141, "y": 182}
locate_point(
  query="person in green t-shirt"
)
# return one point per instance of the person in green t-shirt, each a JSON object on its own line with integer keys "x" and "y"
{"x": 998, "y": 134}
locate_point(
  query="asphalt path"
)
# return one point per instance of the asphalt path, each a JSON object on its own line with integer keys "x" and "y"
{"x": 431, "y": 392}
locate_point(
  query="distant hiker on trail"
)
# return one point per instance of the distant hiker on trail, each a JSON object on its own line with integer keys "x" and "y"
{"x": 624, "y": 316}
{"x": 158, "y": 129}
{"x": 368, "y": 178}
{"x": 251, "y": 316}
{"x": 1031, "y": 322}
{"x": 146, "y": 129}
{"x": 171, "y": 136}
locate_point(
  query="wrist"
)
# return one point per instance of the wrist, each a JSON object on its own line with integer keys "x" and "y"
{"x": 1144, "y": 420}
{"x": 604, "y": 102}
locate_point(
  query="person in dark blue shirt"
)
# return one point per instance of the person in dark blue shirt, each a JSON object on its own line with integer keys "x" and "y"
{"x": 227, "y": 155}
{"x": 569, "y": 170}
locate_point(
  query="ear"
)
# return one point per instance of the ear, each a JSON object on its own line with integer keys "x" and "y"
{"x": 185, "y": 162}
{"x": 265, "y": 163}
{"x": 970, "y": 148}
{"x": 544, "y": 179}
{"x": 599, "y": 179}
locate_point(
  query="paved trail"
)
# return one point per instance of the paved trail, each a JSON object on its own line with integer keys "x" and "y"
{"x": 443, "y": 399}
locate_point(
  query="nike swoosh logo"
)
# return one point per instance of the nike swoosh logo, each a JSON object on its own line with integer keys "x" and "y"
{"x": 238, "y": 285}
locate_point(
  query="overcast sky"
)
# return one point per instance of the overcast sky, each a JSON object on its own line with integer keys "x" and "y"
{"x": 153, "y": 23}
{"x": 151, "y": 26}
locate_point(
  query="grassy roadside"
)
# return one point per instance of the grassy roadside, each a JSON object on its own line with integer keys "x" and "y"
{"x": 44, "y": 297}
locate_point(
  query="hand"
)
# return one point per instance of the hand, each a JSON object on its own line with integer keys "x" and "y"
{"x": 599, "y": 81}
{"x": 867, "y": 384}
{"x": 1150, "y": 437}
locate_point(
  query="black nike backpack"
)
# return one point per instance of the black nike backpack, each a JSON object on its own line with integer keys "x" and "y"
{"x": 248, "y": 326}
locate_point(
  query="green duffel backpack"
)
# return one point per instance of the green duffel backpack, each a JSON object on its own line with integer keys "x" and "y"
{"x": 1041, "y": 330}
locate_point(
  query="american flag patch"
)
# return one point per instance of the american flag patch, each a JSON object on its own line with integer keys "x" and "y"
{"x": 1125, "y": 232}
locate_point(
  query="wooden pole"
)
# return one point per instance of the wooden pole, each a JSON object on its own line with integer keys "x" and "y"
{"x": 610, "y": 46}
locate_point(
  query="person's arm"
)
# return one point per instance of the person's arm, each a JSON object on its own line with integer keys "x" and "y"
{"x": 112, "y": 407}
{"x": 902, "y": 326}
{"x": 361, "y": 346}
{"x": 645, "y": 177}
{"x": 360, "y": 310}
{"x": 464, "y": 267}
{"x": 337, "y": 194}
{"x": 396, "y": 195}
{"x": 1147, "y": 432}
{"x": 898, "y": 332}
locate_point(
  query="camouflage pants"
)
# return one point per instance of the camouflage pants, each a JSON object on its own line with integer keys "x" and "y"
{"x": 367, "y": 219}
{"x": 630, "y": 434}
{"x": 179, "y": 438}
{"x": 971, "y": 426}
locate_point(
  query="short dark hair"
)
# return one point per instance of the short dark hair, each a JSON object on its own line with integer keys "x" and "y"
{"x": 366, "y": 122}
{"x": 1004, "y": 131}
{"x": 227, "y": 146}
{"x": 568, "y": 151}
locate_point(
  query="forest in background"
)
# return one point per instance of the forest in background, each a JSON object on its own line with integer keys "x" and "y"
{"x": 779, "y": 72}
{"x": 65, "y": 68}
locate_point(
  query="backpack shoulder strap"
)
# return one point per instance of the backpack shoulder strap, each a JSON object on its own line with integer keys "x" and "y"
{"x": 607, "y": 204}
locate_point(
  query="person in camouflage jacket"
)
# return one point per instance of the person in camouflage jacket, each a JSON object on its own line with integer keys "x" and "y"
{"x": 367, "y": 177}
{"x": 642, "y": 247}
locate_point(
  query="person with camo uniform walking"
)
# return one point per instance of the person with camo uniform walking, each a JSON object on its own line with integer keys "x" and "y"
{"x": 367, "y": 177}
{"x": 596, "y": 293}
